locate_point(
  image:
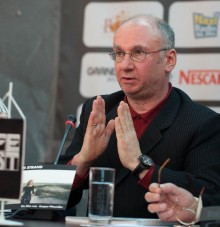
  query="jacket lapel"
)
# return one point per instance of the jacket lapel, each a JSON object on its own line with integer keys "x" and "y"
{"x": 152, "y": 135}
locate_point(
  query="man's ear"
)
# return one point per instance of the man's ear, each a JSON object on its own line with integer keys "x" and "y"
{"x": 171, "y": 60}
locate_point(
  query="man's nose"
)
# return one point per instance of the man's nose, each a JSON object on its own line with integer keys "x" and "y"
{"x": 127, "y": 62}
{"x": 128, "y": 56}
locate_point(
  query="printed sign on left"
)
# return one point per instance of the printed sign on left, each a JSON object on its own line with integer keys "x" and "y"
{"x": 11, "y": 154}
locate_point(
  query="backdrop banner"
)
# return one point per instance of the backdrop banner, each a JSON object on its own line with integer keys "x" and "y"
{"x": 56, "y": 53}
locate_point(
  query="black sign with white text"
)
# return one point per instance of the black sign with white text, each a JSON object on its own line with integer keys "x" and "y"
{"x": 11, "y": 154}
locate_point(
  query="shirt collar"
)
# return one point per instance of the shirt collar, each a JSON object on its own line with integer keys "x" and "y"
{"x": 146, "y": 115}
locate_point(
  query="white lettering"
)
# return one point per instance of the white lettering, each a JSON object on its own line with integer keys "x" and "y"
{"x": 9, "y": 151}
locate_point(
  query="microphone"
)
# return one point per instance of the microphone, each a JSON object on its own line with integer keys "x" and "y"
{"x": 3, "y": 110}
{"x": 70, "y": 123}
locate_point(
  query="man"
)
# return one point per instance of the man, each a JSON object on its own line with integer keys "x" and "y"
{"x": 163, "y": 197}
{"x": 135, "y": 130}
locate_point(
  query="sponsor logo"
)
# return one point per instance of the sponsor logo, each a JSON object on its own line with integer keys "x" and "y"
{"x": 199, "y": 77}
{"x": 99, "y": 31}
{"x": 97, "y": 75}
{"x": 112, "y": 24}
{"x": 205, "y": 26}
{"x": 107, "y": 72}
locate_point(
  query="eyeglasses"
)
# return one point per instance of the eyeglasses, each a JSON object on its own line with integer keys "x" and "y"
{"x": 160, "y": 170}
{"x": 136, "y": 55}
{"x": 186, "y": 211}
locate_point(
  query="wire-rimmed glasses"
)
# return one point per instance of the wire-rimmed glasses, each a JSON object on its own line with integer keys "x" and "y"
{"x": 189, "y": 210}
{"x": 160, "y": 170}
{"x": 135, "y": 55}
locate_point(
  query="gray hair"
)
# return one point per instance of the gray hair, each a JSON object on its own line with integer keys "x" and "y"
{"x": 166, "y": 32}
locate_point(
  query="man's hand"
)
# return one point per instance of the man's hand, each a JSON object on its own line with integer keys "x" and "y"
{"x": 168, "y": 199}
{"x": 96, "y": 138}
{"x": 127, "y": 142}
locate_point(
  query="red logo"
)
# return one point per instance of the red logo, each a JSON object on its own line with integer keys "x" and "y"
{"x": 200, "y": 77}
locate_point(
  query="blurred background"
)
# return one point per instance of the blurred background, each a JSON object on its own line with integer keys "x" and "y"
{"x": 56, "y": 54}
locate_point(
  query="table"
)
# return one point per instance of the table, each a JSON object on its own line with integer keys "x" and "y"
{"x": 39, "y": 223}
{"x": 77, "y": 221}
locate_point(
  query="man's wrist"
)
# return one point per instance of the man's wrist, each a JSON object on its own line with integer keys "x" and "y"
{"x": 82, "y": 168}
{"x": 138, "y": 170}
{"x": 145, "y": 163}
{"x": 79, "y": 160}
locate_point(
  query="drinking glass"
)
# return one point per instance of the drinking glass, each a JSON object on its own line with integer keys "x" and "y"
{"x": 101, "y": 195}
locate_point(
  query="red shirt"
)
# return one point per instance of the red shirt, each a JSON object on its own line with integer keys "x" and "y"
{"x": 141, "y": 122}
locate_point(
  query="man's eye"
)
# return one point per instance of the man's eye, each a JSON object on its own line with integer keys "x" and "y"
{"x": 138, "y": 52}
{"x": 119, "y": 53}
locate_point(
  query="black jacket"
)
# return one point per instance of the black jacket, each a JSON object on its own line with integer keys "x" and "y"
{"x": 184, "y": 131}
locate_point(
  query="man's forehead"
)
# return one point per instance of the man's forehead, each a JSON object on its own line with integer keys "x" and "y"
{"x": 142, "y": 35}
{"x": 143, "y": 26}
